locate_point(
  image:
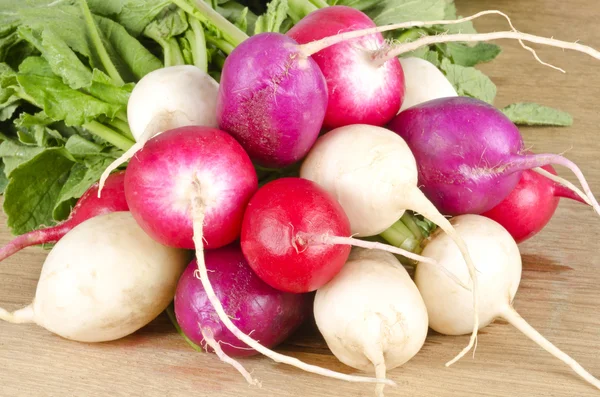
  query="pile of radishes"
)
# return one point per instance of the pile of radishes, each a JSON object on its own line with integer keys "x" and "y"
{"x": 372, "y": 139}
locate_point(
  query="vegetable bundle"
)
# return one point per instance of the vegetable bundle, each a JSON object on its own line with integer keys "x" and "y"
{"x": 295, "y": 147}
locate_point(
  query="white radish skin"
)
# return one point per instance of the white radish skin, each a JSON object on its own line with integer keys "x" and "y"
{"x": 371, "y": 314}
{"x": 164, "y": 99}
{"x": 423, "y": 82}
{"x": 373, "y": 175}
{"x": 104, "y": 280}
{"x": 498, "y": 263}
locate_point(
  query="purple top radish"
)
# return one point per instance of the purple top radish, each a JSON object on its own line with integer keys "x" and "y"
{"x": 88, "y": 206}
{"x": 159, "y": 184}
{"x": 360, "y": 91}
{"x": 268, "y": 314}
{"x": 272, "y": 99}
{"x": 470, "y": 156}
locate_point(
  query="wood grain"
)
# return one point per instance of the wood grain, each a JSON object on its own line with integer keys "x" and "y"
{"x": 559, "y": 293}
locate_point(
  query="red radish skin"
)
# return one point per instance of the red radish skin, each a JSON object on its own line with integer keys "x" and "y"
{"x": 531, "y": 205}
{"x": 270, "y": 315}
{"x": 360, "y": 92}
{"x": 294, "y": 236}
{"x": 88, "y": 206}
{"x": 275, "y": 218}
{"x": 159, "y": 184}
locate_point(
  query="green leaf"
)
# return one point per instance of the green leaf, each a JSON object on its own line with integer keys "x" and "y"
{"x": 466, "y": 55}
{"x": 525, "y": 113}
{"x": 81, "y": 177}
{"x": 33, "y": 190}
{"x": 273, "y": 18}
{"x": 469, "y": 81}
{"x": 396, "y": 11}
{"x": 134, "y": 15}
{"x": 14, "y": 154}
{"x": 63, "y": 103}
{"x": 79, "y": 146}
{"x": 238, "y": 14}
{"x": 104, "y": 88}
{"x": 3, "y": 179}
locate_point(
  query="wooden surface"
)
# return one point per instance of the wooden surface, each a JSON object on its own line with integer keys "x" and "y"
{"x": 559, "y": 293}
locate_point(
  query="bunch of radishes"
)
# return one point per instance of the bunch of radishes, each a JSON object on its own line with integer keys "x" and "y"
{"x": 374, "y": 139}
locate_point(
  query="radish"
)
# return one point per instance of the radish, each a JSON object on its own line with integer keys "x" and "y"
{"x": 530, "y": 206}
{"x": 498, "y": 262}
{"x": 159, "y": 185}
{"x": 295, "y": 235}
{"x": 424, "y": 82}
{"x": 270, "y": 315}
{"x": 371, "y": 314}
{"x": 167, "y": 98}
{"x": 470, "y": 155}
{"x": 189, "y": 188}
{"x": 103, "y": 280}
{"x": 360, "y": 92}
{"x": 88, "y": 206}
{"x": 373, "y": 175}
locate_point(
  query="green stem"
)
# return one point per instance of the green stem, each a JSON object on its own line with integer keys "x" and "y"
{"x": 400, "y": 236}
{"x": 97, "y": 42}
{"x": 173, "y": 55}
{"x": 109, "y": 135}
{"x": 220, "y": 44}
{"x": 319, "y": 3}
{"x": 122, "y": 127}
{"x": 298, "y": 9}
{"x": 173, "y": 319}
{"x": 197, "y": 41}
{"x": 204, "y": 13}
{"x": 122, "y": 115}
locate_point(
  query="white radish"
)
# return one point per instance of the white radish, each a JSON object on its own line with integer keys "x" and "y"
{"x": 498, "y": 263}
{"x": 373, "y": 175}
{"x": 167, "y": 98}
{"x": 371, "y": 314}
{"x": 104, "y": 280}
{"x": 423, "y": 82}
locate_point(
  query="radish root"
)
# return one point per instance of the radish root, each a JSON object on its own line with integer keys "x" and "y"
{"x": 429, "y": 211}
{"x": 565, "y": 183}
{"x": 511, "y": 315}
{"x": 198, "y": 207}
{"x": 21, "y": 316}
{"x": 337, "y": 240}
{"x": 210, "y": 341}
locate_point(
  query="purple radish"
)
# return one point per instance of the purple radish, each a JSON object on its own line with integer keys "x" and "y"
{"x": 88, "y": 206}
{"x": 269, "y": 314}
{"x": 189, "y": 188}
{"x": 470, "y": 156}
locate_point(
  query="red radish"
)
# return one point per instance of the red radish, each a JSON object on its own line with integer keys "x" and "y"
{"x": 189, "y": 188}
{"x": 88, "y": 206}
{"x": 294, "y": 235}
{"x": 470, "y": 155}
{"x": 360, "y": 92}
{"x": 270, "y": 315}
{"x": 159, "y": 185}
{"x": 530, "y": 206}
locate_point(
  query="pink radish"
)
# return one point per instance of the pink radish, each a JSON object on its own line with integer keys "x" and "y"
{"x": 189, "y": 188}
{"x": 360, "y": 92}
{"x": 295, "y": 235}
{"x": 88, "y": 206}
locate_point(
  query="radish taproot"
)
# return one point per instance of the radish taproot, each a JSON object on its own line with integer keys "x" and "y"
{"x": 295, "y": 235}
{"x": 88, "y": 206}
{"x": 382, "y": 322}
{"x": 188, "y": 188}
{"x": 498, "y": 263}
{"x": 270, "y": 315}
{"x": 470, "y": 155}
{"x": 103, "y": 280}
{"x": 360, "y": 92}
{"x": 424, "y": 82}
{"x": 531, "y": 204}
{"x": 164, "y": 99}
{"x": 373, "y": 175}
